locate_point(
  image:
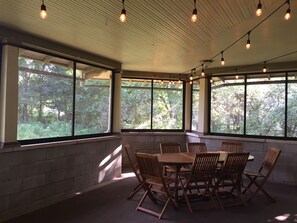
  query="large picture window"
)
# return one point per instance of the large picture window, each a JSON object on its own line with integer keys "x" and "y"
{"x": 50, "y": 105}
{"x": 152, "y": 105}
{"x": 261, "y": 104}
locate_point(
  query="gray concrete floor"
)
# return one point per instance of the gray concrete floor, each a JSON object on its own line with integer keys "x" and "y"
{"x": 109, "y": 204}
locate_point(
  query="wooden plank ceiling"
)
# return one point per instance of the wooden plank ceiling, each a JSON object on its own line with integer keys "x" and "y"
{"x": 158, "y": 35}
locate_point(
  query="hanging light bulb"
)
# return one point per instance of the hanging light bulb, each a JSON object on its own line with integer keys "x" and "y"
{"x": 123, "y": 16}
{"x": 222, "y": 58}
{"x": 288, "y": 12}
{"x": 264, "y": 67}
{"x": 248, "y": 42}
{"x": 259, "y": 9}
{"x": 43, "y": 13}
{"x": 211, "y": 80}
{"x": 194, "y": 14}
{"x": 202, "y": 71}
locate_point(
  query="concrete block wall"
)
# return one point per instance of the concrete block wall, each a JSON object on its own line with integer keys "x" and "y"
{"x": 150, "y": 142}
{"x": 285, "y": 171}
{"x": 31, "y": 178}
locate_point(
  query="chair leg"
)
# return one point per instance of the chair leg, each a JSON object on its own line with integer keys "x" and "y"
{"x": 260, "y": 188}
{"x": 134, "y": 191}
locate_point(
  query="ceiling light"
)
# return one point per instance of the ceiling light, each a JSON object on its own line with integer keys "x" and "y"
{"x": 248, "y": 42}
{"x": 222, "y": 58}
{"x": 264, "y": 67}
{"x": 202, "y": 71}
{"x": 259, "y": 9}
{"x": 43, "y": 13}
{"x": 123, "y": 16}
{"x": 194, "y": 14}
{"x": 288, "y": 12}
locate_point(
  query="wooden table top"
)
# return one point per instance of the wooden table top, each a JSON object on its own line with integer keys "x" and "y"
{"x": 188, "y": 157}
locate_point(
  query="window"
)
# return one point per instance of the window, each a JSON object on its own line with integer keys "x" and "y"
{"x": 92, "y": 100}
{"x": 152, "y": 105}
{"x": 265, "y": 106}
{"x": 195, "y": 104}
{"x": 48, "y": 107}
{"x": 255, "y": 105}
{"x": 227, "y": 105}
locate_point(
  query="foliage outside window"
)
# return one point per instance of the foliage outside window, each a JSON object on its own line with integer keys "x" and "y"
{"x": 265, "y": 106}
{"x": 195, "y": 104}
{"x": 152, "y": 105}
{"x": 264, "y": 109}
{"x": 47, "y": 101}
{"x": 227, "y": 106}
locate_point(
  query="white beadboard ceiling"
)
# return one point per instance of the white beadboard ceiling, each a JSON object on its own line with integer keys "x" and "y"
{"x": 158, "y": 35}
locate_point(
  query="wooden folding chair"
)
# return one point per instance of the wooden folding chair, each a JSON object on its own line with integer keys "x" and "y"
{"x": 169, "y": 148}
{"x": 263, "y": 173}
{"x": 154, "y": 181}
{"x": 133, "y": 164}
{"x": 196, "y": 147}
{"x": 230, "y": 176}
{"x": 201, "y": 177}
{"x": 234, "y": 147}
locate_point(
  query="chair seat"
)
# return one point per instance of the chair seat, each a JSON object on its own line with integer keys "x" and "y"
{"x": 253, "y": 173}
{"x": 157, "y": 181}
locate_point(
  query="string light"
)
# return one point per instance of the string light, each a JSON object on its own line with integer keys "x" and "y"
{"x": 288, "y": 12}
{"x": 259, "y": 9}
{"x": 43, "y": 13}
{"x": 222, "y": 58}
{"x": 264, "y": 67}
{"x": 123, "y": 16}
{"x": 202, "y": 71}
{"x": 248, "y": 42}
{"x": 194, "y": 14}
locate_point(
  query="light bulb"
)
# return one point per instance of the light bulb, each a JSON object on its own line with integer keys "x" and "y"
{"x": 264, "y": 69}
{"x": 194, "y": 15}
{"x": 236, "y": 76}
{"x": 259, "y": 9}
{"x": 248, "y": 44}
{"x": 202, "y": 73}
{"x": 288, "y": 14}
{"x": 222, "y": 61}
{"x": 123, "y": 16}
{"x": 43, "y": 13}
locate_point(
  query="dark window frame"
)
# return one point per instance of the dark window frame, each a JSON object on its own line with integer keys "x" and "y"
{"x": 74, "y": 137}
{"x": 246, "y": 83}
{"x": 151, "y": 107}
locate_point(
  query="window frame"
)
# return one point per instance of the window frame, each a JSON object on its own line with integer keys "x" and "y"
{"x": 286, "y": 74}
{"x": 151, "y": 107}
{"x": 74, "y": 137}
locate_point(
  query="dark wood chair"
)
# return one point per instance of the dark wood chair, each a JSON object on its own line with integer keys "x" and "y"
{"x": 134, "y": 166}
{"x": 169, "y": 148}
{"x": 197, "y": 147}
{"x": 229, "y": 177}
{"x": 259, "y": 178}
{"x": 234, "y": 147}
{"x": 154, "y": 181}
{"x": 201, "y": 177}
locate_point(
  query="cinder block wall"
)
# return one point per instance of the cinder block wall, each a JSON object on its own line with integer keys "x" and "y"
{"x": 285, "y": 171}
{"x": 150, "y": 142}
{"x": 31, "y": 178}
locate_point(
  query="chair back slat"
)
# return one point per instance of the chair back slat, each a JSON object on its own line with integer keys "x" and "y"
{"x": 270, "y": 159}
{"x": 235, "y": 147}
{"x": 196, "y": 147}
{"x": 205, "y": 164}
{"x": 234, "y": 164}
{"x": 169, "y": 147}
{"x": 131, "y": 158}
{"x": 149, "y": 166}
